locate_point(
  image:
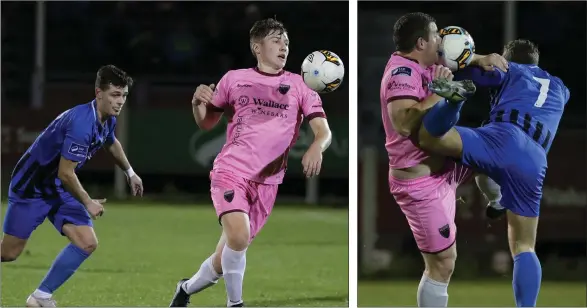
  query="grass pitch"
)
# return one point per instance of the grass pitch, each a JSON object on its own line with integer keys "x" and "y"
{"x": 299, "y": 259}
{"x": 470, "y": 294}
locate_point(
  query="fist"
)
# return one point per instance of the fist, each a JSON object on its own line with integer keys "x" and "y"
{"x": 442, "y": 72}
{"x": 203, "y": 94}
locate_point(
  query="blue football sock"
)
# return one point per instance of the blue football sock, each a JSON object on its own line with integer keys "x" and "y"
{"x": 66, "y": 263}
{"x": 441, "y": 117}
{"x": 527, "y": 277}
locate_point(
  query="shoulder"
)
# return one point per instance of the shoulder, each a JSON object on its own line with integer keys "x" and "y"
{"x": 80, "y": 115}
{"x": 404, "y": 70}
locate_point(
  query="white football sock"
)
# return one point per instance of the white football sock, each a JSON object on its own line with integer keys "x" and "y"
{"x": 204, "y": 278}
{"x": 41, "y": 294}
{"x": 233, "y": 268}
{"x": 432, "y": 293}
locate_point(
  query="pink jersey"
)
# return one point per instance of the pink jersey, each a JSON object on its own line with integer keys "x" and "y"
{"x": 403, "y": 79}
{"x": 265, "y": 112}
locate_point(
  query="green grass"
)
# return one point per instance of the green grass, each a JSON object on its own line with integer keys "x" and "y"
{"x": 470, "y": 294}
{"x": 299, "y": 259}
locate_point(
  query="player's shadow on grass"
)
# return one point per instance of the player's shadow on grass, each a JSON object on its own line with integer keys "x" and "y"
{"x": 298, "y": 301}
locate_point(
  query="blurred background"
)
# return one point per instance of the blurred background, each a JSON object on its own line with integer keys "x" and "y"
{"x": 50, "y": 54}
{"x": 390, "y": 263}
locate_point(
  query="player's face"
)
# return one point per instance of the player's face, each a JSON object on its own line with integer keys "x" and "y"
{"x": 432, "y": 46}
{"x": 112, "y": 99}
{"x": 275, "y": 49}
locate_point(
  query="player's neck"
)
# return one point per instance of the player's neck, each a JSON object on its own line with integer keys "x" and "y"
{"x": 267, "y": 69}
{"x": 414, "y": 55}
{"x": 101, "y": 115}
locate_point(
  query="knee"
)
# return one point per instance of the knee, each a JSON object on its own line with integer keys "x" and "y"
{"x": 237, "y": 230}
{"x": 82, "y": 237}
{"x": 89, "y": 246}
{"x": 9, "y": 256}
{"x": 441, "y": 267}
{"x": 11, "y": 251}
{"x": 238, "y": 241}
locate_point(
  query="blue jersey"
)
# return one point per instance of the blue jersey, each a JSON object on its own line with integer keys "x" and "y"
{"x": 525, "y": 95}
{"x": 76, "y": 134}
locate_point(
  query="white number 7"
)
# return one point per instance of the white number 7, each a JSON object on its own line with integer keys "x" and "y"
{"x": 544, "y": 84}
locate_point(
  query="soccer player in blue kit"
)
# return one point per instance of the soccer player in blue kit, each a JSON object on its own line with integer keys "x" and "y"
{"x": 527, "y": 104}
{"x": 44, "y": 182}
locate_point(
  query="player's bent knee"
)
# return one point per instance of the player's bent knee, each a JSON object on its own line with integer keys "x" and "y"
{"x": 236, "y": 229}
{"x": 83, "y": 237}
{"x": 11, "y": 247}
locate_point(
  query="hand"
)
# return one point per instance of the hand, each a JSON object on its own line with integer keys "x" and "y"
{"x": 136, "y": 185}
{"x": 493, "y": 60}
{"x": 203, "y": 94}
{"x": 95, "y": 207}
{"x": 442, "y": 72}
{"x": 312, "y": 161}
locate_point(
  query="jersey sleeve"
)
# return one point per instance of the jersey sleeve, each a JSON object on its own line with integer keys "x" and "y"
{"x": 221, "y": 97}
{"x": 481, "y": 77}
{"x": 312, "y": 104}
{"x": 76, "y": 143}
{"x": 402, "y": 83}
{"x": 111, "y": 137}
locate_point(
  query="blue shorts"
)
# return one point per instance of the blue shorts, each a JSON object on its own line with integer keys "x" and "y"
{"x": 24, "y": 215}
{"x": 512, "y": 159}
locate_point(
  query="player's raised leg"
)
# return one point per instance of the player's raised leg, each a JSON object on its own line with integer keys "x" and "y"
{"x": 73, "y": 221}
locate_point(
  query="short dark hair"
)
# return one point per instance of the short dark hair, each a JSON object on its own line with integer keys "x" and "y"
{"x": 111, "y": 75}
{"x": 409, "y": 28}
{"x": 262, "y": 28}
{"x": 521, "y": 51}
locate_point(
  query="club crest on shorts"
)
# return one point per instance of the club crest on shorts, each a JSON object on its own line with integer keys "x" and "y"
{"x": 444, "y": 231}
{"x": 283, "y": 88}
{"x": 229, "y": 195}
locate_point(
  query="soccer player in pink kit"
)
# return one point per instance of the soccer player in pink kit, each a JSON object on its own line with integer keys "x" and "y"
{"x": 424, "y": 186}
{"x": 265, "y": 107}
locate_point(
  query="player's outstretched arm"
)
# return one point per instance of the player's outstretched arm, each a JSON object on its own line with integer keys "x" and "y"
{"x": 206, "y": 114}
{"x": 481, "y": 77}
{"x": 490, "y": 62}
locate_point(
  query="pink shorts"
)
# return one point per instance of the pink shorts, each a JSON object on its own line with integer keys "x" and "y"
{"x": 429, "y": 205}
{"x": 232, "y": 193}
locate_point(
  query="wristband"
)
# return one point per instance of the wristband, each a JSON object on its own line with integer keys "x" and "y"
{"x": 129, "y": 172}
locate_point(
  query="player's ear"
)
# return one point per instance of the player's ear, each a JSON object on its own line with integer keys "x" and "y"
{"x": 98, "y": 93}
{"x": 256, "y": 48}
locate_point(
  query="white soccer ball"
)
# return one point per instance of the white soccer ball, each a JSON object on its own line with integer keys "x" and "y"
{"x": 457, "y": 48}
{"x": 323, "y": 71}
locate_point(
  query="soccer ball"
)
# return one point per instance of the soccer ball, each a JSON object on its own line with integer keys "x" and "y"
{"x": 323, "y": 71}
{"x": 457, "y": 48}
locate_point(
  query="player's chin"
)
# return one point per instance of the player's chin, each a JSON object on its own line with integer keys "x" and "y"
{"x": 115, "y": 112}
